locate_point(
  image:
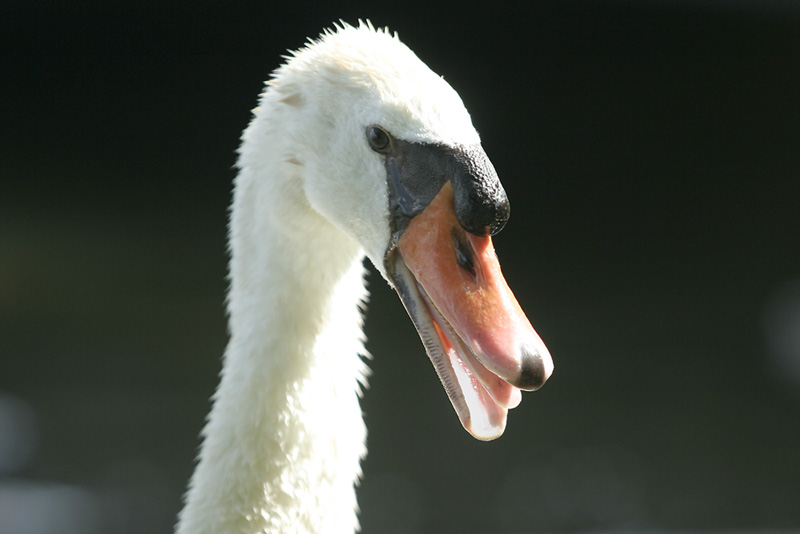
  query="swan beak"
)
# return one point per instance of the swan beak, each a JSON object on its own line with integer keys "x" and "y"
{"x": 482, "y": 345}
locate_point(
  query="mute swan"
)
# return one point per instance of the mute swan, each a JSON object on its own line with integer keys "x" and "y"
{"x": 356, "y": 148}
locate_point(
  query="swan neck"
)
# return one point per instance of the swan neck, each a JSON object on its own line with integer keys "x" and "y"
{"x": 285, "y": 436}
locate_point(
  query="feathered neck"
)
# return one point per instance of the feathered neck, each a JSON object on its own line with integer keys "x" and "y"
{"x": 284, "y": 439}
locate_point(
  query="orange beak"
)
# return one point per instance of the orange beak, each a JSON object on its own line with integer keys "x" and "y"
{"x": 477, "y": 336}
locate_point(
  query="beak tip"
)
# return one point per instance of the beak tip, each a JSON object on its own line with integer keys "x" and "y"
{"x": 535, "y": 368}
{"x": 488, "y": 432}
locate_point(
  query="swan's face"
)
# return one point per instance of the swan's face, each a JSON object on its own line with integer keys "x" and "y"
{"x": 399, "y": 167}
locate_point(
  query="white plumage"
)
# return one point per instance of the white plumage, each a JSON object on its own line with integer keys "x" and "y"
{"x": 284, "y": 440}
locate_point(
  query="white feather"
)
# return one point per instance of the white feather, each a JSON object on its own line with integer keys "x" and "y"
{"x": 284, "y": 440}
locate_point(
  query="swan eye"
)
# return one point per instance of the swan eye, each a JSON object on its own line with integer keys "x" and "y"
{"x": 378, "y": 139}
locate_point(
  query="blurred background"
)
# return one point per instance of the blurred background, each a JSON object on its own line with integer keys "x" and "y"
{"x": 651, "y": 152}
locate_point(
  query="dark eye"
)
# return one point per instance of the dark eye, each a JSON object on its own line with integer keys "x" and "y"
{"x": 378, "y": 139}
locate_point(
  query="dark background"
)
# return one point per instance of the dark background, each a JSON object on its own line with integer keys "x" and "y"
{"x": 651, "y": 152}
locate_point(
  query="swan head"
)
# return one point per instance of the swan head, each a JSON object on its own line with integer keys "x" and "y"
{"x": 384, "y": 149}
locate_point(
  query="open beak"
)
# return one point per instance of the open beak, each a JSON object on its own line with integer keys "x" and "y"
{"x": 445, "y": 202}
{"x": 482, "y": 345}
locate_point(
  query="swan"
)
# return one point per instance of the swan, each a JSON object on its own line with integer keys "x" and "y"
{"x": 356, "y": 149}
